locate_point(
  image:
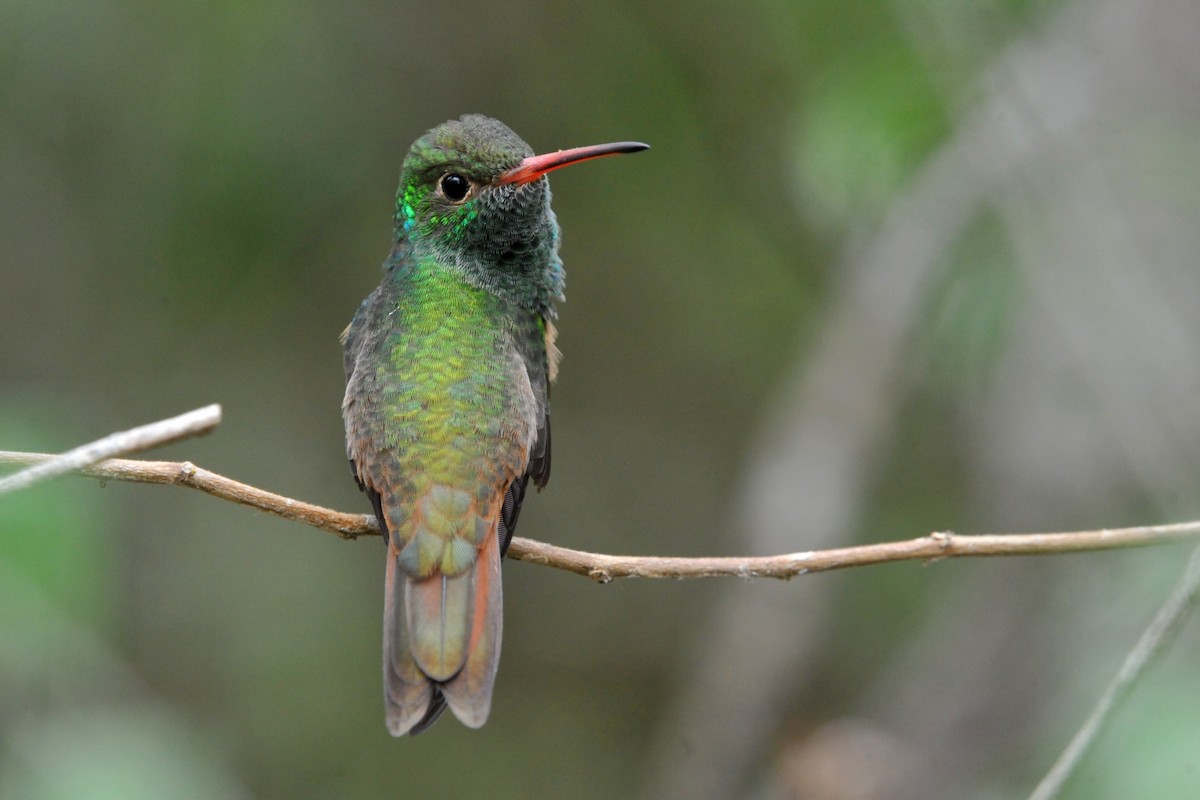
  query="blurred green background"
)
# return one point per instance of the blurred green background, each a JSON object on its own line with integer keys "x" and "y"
{"x": 889, "y": 268}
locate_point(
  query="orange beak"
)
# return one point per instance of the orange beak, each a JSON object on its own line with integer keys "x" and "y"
{"x": 535, "y": 167}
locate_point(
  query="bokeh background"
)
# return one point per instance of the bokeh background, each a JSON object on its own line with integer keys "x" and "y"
{"x": 890, "y": 268}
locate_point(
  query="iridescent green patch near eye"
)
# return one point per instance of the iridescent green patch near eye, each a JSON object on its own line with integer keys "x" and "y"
{"x": 464, "y": 220}
{"x": 406, "y": 207}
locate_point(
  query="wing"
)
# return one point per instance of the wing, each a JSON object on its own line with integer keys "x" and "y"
{"x": 350, "y": 339}
{"x": 359, "y": 406}
{"x": 541, "y": 362}
{"x": 352, "y": 335}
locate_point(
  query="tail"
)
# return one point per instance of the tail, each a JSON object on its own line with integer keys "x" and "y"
{"x": 441, "y": 643}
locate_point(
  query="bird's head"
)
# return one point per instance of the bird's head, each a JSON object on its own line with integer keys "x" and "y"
{"x": 475, "y": 198}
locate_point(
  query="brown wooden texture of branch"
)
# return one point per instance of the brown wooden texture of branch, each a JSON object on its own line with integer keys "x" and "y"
{"x": 604, "y": 568}
{"x": 143, "y": 437}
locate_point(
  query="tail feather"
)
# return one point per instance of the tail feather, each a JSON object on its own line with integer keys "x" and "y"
{"x": 469, "y": 693}
{"x": 408, "y": 694}
{"x": 441, "y": 643}
{"x": 432, "y": 714}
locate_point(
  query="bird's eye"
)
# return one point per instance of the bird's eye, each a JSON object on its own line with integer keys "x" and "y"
{"x": 454, "y": 186}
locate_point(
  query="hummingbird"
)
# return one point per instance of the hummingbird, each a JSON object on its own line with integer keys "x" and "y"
{"x": 447, "y": 407}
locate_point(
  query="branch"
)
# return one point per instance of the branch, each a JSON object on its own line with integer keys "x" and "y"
{"x": 143, "y": 437}
{"x": 604, "y": 568}
{"x": 1162, "y": 630}
{"x": 185, "y": 473}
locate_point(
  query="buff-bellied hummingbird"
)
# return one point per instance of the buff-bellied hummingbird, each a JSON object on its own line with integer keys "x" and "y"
{"x": 448, "y": 371}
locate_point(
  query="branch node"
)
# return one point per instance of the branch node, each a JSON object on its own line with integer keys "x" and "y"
{"x": 368, "y": 521}
{"x": 600, "y": 575}
{"x": 794, "y": 562}
{"x": 944, "y": 541}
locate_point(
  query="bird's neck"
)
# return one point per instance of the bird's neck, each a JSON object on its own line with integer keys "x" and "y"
{"x": 524, "y": 272}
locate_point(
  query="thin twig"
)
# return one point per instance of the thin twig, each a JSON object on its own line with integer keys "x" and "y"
{"x": 143, "y": 437}
{"x": 1154, "y": 640}
{"x": 936, "y": 546}
{"x": 185, "y": 473}
{"x": 604, "y": 568}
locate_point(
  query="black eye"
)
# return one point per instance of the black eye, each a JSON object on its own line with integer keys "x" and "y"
{"x": 454, "y": 186}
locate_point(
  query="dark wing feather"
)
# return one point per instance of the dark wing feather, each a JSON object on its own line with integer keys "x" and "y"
{"x": 539, "y": 460}
{"x": 352, "y": 340}
{"x": 360, "y": 336}
{"x": 376, "y": 503}
{"x": 510, "y": 511}
{"x": 436, "y": 706}
{"x": 538, "y": 469}
{"x": 537, "y": 364}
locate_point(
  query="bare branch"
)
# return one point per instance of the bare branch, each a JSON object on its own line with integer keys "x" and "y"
{"x": 1155, "y": 638}
{"x": 936, "y": 546}
{"x": 185, "y": 473}
{"x": 143, "y": 437}
{"x": 604, "y": 568}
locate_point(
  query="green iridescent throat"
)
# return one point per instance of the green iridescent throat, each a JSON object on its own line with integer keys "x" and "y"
{"x": 503, "y": 239}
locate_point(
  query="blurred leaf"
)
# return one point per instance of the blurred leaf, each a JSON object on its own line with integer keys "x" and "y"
{"x": 125, "y": 753}
{"x": 54, "y": 533}
{"x": 866, "y": 124}
{"x": 971, "y": 308}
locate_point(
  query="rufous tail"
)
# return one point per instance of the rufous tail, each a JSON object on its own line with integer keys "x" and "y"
{"x": 441, "y": 642}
